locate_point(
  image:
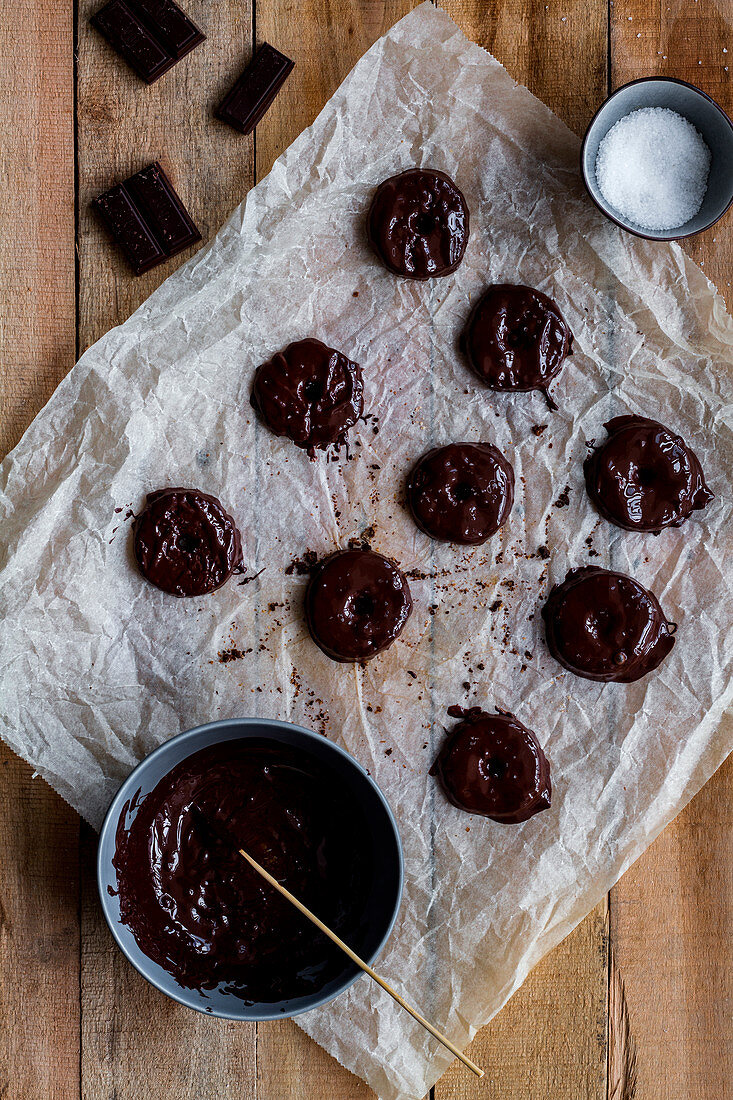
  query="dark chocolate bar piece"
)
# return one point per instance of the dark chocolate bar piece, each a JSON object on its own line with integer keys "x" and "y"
{"x": 256, "y": 88}
{"x": 151, "y": 35}
{"x": 147, "y": 218}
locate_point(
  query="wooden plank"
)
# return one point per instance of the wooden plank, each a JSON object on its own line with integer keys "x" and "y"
{"x": 550, "y": 1039}
{"x": 290, "y": 1065}
{"x": 39, "y": 934}
{"x": 136, "y": 1043}
{"x": 672, "y": 929}
{"x": 325, "y": 38}
{"x": 687, "y": 41}
{"x": 123, "y": 125}
{"x": 672, "y": 913}
{"x": 37, "y": 211}
{"x": 39, "y": 938}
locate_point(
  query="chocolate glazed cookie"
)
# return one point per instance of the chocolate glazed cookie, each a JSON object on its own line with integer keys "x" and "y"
{"x": 356, "y": 604}
{"x": 461, "y": 493}
{"x": 310, "y": 393}
{"x": 516, "y": 339}
{"x": 418, "y": 224}
{"x": 606, "y": 626}
{"x": 493, "y": 765}
{"x": 644, "y": 477}
{"x": 185, "y": 543}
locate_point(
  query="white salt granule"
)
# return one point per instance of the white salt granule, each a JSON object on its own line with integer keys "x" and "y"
{"x": 652, "y": 168}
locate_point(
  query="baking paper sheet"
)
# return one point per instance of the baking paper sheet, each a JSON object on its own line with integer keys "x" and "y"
{"x": 98, "y": 667}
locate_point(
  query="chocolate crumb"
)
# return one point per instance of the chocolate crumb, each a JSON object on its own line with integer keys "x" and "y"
{"x": 245, "y": 579}
{"x": 543, "y": 553}
{"x": 495, "y": 605}
{"x": 538, "y": 429}
{"x": 233, "y": 654}
{"x": 302, "y": 566}
{"x": 564, "y": 499}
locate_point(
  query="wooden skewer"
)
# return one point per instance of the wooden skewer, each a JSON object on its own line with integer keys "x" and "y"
{"x": 360, "y": 963}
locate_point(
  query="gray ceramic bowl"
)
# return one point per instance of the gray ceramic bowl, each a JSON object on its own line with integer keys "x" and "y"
{"x": 704, "y": 114}
{"x": 386, "y": 893}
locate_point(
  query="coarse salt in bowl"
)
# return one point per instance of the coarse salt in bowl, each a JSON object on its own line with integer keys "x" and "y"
{"x": 657, "y": 159}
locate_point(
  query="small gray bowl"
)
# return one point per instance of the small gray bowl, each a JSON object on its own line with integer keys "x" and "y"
{"x": 383, "y": 903}
{"x": 705, "y": 115}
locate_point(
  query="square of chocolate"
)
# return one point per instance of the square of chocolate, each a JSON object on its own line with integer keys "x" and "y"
{"x": 151, "y": 35}
{"x": 147, "y": 218}
{"x": 256, "y": 88}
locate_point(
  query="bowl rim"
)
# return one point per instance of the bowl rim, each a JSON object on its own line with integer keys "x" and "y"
{"x": 586, "y": 136}
{"x": 112, "y": 816}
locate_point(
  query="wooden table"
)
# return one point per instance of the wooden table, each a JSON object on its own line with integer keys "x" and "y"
{"x": 75, "y": 1019}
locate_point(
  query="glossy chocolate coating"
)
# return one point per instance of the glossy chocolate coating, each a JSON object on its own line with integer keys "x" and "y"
{"x": 185, "y": 543}
{"x": 356, "y": 604}
{"x": 418, "y": 224}
{"x": 461, "y": 493}
{"x": 195, "y": 906}
{"x": 516, "y": 339}
{"x": 644, "y": 477}
{"x": 606, "y": 626}
{"x": 310, "y": 393}
{"x": 492, "y": 765}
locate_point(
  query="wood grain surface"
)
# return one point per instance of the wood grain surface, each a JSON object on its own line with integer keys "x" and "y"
{"x": 75, "y": 1019}
{"x": 39, "y": 833}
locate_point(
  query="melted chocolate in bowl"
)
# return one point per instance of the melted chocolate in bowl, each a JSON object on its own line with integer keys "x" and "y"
{"x": 461, "y": 493}
{"x": 185, "y": 543}
{"x": 418, "y": 224}
{"x": 356, "y": 604}
{"x": 516, "y": 339}
{"x": 494, "y": 766}
{"x": 195, "y": 906}
{"x": 606, "y": 626}
{"x": 644, "y": 477}
{"x": 310, "y": 393}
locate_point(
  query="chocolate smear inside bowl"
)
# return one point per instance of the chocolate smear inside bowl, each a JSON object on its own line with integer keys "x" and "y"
{"x": 196, "y": 908}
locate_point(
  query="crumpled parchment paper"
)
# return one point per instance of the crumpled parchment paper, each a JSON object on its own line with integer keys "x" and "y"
{"x": 98, "y": 667}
